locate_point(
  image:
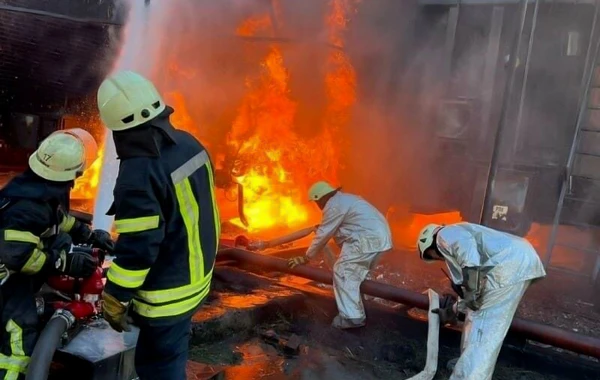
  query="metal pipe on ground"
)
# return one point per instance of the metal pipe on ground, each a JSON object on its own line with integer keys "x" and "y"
{"x": 289, "y": 238}
{"x": 538, "y": 332}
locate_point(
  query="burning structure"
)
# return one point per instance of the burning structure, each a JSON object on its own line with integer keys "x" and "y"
{"x": 397, "y": 101}
{"x": 249, "y": 112}
{"x": 274, "y": 123}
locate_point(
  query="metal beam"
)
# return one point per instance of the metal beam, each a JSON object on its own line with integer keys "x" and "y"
{"x": 502, "y": 122}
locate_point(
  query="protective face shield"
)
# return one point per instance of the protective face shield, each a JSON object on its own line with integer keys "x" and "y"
{"x": 127, "y": 99}
{"x": 63, "y": 156}
{"x": 426, "y": 240}
{"x": 319, "y": 190}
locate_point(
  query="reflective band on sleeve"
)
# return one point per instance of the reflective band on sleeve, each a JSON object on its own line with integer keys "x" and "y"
{"x": 21, "y": 236}
{"x": 126, "y": 278}
{"x": 172, "y": 309}
{"x": 141, "y": 224}
{"x": 190, "y": 212}
{"x": 67, "y": 223}
{"x": 189, "y": 167}
{"x": 35, "y": 263}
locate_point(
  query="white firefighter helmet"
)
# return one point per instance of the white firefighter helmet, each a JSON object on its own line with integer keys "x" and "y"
{"x": 426, "y": 238}
{"x": 319, "y": 190}
{"x": 64, "y": 155}
{"x": 127, "y": 99}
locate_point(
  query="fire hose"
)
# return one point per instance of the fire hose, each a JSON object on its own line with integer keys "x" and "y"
{"x": 41, "y": 358}
{"x": 538, "y": 332}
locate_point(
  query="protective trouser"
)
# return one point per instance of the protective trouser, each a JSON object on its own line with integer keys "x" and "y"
{"x": 349, "y": 272}
{"x": 162, "y": 351}
{"x": 484, "y": 332}
{"x": 19, "y": 326}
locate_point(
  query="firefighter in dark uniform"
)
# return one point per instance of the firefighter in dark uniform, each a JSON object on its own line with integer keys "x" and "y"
{"x": 36, "y": 233}
{"x": 168, "y": 224}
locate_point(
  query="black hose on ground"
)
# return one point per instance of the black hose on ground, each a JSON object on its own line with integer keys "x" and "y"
{"x": 39, "y": 365}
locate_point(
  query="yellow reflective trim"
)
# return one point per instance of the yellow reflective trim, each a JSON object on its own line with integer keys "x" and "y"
{"x": 67, "y": 223}
{"x": 173, "y": 309}
{"x": 21, "y": 236}
{"x": 16, "y": 338}
{"x": 188, "y": 168}
{"x": 18, "y": 361}
{"x": 13, "y": 366}
{"x": 144, "y": 223}
{"x": 190, "y": 212}
{"x": 174, "y": 294}
{"x": 214, "y": 201}
{"x": 126, "y": 278}
{"x": 35, "y": 263}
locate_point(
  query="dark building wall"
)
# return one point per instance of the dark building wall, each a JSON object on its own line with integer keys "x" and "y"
{"x": 46, "y": 60}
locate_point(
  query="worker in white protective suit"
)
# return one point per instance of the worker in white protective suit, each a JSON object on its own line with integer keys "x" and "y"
{"x": 492, "y": 270}
{"x": 362, "y": 233}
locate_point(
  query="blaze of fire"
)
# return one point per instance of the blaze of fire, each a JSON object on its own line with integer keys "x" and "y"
{"x": 275, "y": 166}
{"x": 280, "y": 166}
{"x": 86, "y": 185}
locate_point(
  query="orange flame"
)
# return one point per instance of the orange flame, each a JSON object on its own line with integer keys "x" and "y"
{"x": 86, "y": 185}
{"x": 275, "y": 165}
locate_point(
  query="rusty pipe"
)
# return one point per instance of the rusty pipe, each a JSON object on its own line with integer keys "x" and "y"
{"x": 542, "y": 333}
{"x": 240, "y": 204}
{"x": 297, "y": 235}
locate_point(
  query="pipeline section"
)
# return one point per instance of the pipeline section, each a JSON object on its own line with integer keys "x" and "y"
{"x": 527, "y": 329}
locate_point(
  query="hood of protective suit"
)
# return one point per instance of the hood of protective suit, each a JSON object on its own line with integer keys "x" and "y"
{"x": 145, "y": 140}
{"x": 508, "y": 259}
{"x": 28, "y": 185}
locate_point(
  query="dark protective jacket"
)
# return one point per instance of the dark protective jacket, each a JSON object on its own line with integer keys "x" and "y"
{"x": 168, "y": 223}
{"x": 33, "y": 209}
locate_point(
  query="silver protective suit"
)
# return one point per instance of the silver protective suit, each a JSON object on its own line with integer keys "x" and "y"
{"x": 362, "y": 233}
{"x": 511, "y": 264}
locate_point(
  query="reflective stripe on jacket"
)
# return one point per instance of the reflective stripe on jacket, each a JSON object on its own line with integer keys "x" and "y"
{"x": 168, "y": 224}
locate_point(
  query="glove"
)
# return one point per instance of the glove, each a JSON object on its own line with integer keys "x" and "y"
{"x": 59, "y": 243}
{"x": 299, "y": 260}
{"x": 81, "y": 232}
{"x": 102, "y": 240}
{"x": 58, "y": 248}
{"x": 75, "y": 264}
{"x": 115, "y": 313}
{"x": 446, "y": 311}
{"x": 457, "y": 289}
{"x": 474, "y": 280}
{"x": 473, "y": 299}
